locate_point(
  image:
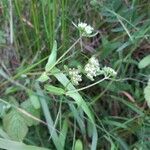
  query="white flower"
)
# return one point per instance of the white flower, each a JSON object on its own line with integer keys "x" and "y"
{"x": 75, "y": 76}
{"x": 82, "y": 25}
{"x": 92, "y": 68}
{"x": 85, "y": 30}
{"x": 107, "y": 71}
{"x": 89, "y": 30}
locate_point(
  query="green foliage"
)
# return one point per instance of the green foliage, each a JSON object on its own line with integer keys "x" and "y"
{"x": 2, "y": 39}
{"x": 3, "y": 109}
{"x": 144, "y": 62}
{"x": 12, "y": 145}
{"x": 78, "y": 145}
{"x": 44, "y": 77}
{"x": 54, "y": 90}
{"x": 34, "y": 100}
{"x": 108, "y": 47}
{"x": 15, "y": 125}
{"x": 52, "y": 58}
{"x": 27, "y": 106}
{"x": 44, "y": 109}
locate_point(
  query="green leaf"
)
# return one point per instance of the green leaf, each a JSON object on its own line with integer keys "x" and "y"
{"x": 34, "y": 100}
{"x": 44, "y": 77}
{"x": 54, "y": 90}
{"x": 11, "y": 90}
{"x": 27, "y": 106}
{"x": 144, "y": 62}
{"x": 108, "y": 47}
{"x": 75, "y": 95}
{"x": 63, "y": 133}
{"x": 3, "y": 133}
{"x": 147, "y": 94}
{"x": 78, "y": 145}
{"x": 2, "y": 109}
{"x": 79, "y": 100}
{"x": 12, "y": 145}
{"x": 52, "y": 58}
{"x": 2, "y": 39}
{"x": 77, "y": 116}
{"x": 15, "y": 125}
{"x": 48, "y": 117}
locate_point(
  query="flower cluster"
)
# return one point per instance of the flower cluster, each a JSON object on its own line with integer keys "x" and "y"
{"x": 107, "y": 71}
{"x": 92, "y": 68}
{"x": 75, "y": 76}
{"x": 85, "y": 30}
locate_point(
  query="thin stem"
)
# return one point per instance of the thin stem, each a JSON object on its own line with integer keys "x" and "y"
{"x": 11, "y": 21}
{"x": 86, "y": 87}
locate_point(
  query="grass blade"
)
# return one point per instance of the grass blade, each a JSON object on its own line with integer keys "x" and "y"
{"x": 48, "y": 118}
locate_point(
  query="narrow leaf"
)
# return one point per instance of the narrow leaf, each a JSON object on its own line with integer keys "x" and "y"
{"x": 63, "y": 133}
{"x": 52, "y": 57}
{"x": 54, "y": 90}
{"x": 144, "y": 62}
{"x": 48, "y": 118}
{"x": 147, "y": 93}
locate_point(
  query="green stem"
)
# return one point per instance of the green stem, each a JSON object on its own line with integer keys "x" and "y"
{"x": 86, "y": 87}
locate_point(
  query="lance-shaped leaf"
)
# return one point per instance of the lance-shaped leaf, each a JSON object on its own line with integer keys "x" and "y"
{"x": 144, "y": 62}
{"x": 52, "y": 58}
{"x": 54, "y": 90}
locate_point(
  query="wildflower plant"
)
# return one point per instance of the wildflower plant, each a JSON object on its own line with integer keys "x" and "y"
{"x": 73, "y": 76}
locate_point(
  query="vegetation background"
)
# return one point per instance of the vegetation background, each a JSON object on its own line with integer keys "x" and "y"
{"x": 112, "y": 115}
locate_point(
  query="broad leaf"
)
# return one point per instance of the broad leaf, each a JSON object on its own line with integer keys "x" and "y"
{"x": 27, "y": 106}
{"x": 78, "y": 145}
{"x": 12, "y": 145}
{"x": 34, "y": 100}
{"x": 15, "y": 125}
